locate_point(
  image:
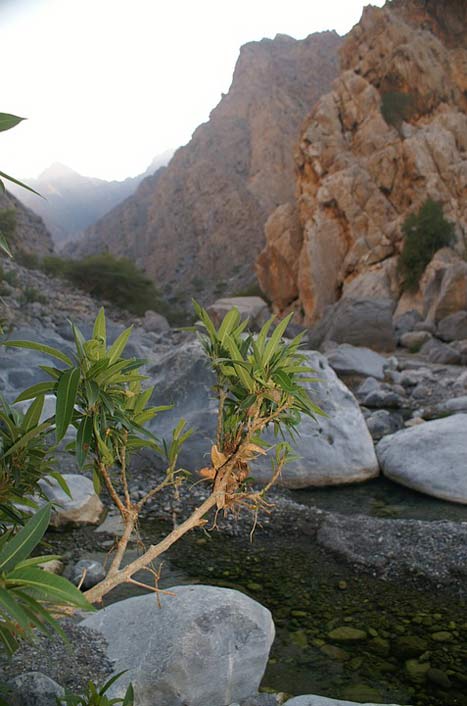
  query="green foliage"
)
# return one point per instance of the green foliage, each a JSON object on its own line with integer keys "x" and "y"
{"x": 25, "y": 456}
{"x": 8, "y": 223}
{"x": 32, "y": 294}
{"x": 97, "y": 697}
{"x": 27, "y": 592}
{"x": 259, "y": 381}
{"x": 10, "y": 277}
{"x": 424, "y": 232}
{"x": 99, "y": 392}
{"x": 117, "y": 280}
{"x": 27, "y": 259}
{"x": 397, "y": 107}
{"x": 8, "y": 121}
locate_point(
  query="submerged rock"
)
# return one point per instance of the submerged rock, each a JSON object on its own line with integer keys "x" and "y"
{"x": 314, "y": 700}
{"x": 204, "y": 646}
{"x": 430, "y": 458}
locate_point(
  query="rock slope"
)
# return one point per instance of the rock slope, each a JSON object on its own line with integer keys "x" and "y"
{"x": 358, "y": 177}
{"x": 202, "y": 221}
{"x": 30, "y": 234}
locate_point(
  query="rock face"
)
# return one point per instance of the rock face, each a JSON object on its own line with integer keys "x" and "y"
{"x": 31, "y": 235}
{"x": 205, "y": 646}
{"x": 313, "y": 700}
{"x": 202, "y": 221}
{"x": 358, "y": 176}
{"x": 429, "y": 458}
{"x": 34, "y": 689}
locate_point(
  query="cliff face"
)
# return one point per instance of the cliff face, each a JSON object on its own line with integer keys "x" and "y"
{"x": 201, "y": 221}
{"x": 358, "y": 177}
{"x": 30, "y": 234}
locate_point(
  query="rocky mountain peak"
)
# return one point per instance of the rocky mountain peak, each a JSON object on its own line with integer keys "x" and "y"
{"x": 203, "y": 223}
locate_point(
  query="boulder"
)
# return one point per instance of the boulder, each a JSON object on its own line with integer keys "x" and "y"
{"x": 439, "y": 352}
{"x": 154, "y": 322}
{"x": 429, "y": 458}
{"x": 204, "y": 646}
{"x": 92, "y": 571}
{"x": 382, "y": 423}
{"x": 334, "y": 449}
{"x": 363, "y": 322}
{"x": 404, "y": 323}
{"x": 353, "y": 360}
{"x": 453, "y": 327}
{"x": 253, "y": 308}
{"x": 34, "y": 689}
{"x": 444, "y": 285}
{"x": 414, "y": 340}
{"x": 313, "y": 700}
{"x": 84, "y": 507}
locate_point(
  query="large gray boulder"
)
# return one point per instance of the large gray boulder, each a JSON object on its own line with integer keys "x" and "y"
{"x": 453, "y": 327}
{"x": 205, "y": 646}
{"x": 439, "y": 352}
{"x": 363, "y": 322}
{"x": 430, "y": 458}
{"x": 313, "y": 700}
{"x": 333, "y": 449}
{"x": 356, "y": 360}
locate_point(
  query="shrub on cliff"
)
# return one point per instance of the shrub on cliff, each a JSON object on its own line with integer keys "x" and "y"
{"x": 396, "y": 107}
{"x": 424, "y": 232}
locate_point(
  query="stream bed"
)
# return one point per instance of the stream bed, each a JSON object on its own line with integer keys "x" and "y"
{"x": 339, "y": 632}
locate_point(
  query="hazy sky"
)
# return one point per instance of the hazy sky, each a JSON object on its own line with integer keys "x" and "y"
{"x": 108, "y": 84}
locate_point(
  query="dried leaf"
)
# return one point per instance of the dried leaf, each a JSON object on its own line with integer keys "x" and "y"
{"x": 217, "y": 457}
{"x": 208, "y": 473}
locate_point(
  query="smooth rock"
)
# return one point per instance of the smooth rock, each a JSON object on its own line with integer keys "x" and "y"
{"x": 353, "y": 360}
{"x": 438, "y": 352}
{"x": 253, "y": 308}
{"x": 314, "y": 700}
{"x": 381, "y": 423}
{"x": 155, "y": 322}
{"x": 334, "y": 449}
{"x": 414, "y": 340}
{"x": 453, "y": 327}
{"x": 346, "y": 633}
{"x": 363, "y": 322}
{"x": 83, "y": 508}
{"x": 34, "y": 689}
{"x": 205, "y": 646}
{"x": 93, "y": 573}
{"x": 429, "y": 458}
{"x": 406, "y": 322}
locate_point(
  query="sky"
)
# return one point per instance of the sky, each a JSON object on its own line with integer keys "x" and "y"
{"x": 106, "y": 85}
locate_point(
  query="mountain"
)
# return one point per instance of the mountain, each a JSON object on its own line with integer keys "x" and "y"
{"x": 24, "y": 230}
{"x": 391, "y": 135}
{"x": 201, "y": 221}
{"x": 72, "y": 202}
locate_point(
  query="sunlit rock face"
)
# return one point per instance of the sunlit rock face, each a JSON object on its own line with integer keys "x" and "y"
{"x": 358, "y": 177}
{"x": 201, "y": 221}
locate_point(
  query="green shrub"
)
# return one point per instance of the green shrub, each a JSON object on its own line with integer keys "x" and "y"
{"x": 8, "y": 224}
{"x": 397, "y": 107}
{"x": 117, "y": 280}
{"x": 27, "y": 259}
{"x": 95, "y": 696}
{"x": 31, "y": 294}
{"x": 424, "y": 232}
